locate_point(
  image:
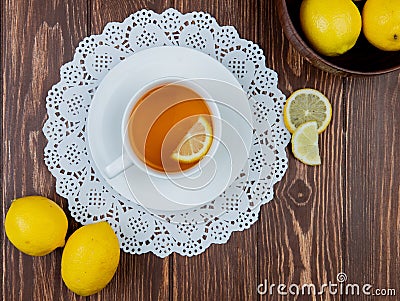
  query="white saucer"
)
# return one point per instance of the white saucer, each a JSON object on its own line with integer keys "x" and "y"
{"x": 114, "y": 93}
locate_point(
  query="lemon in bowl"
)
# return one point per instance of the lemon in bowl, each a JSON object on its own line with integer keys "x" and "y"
{"x": 332, "y": 27}
{"x": 36, "y": 225}
{"x": 361, "y": 60}
{"x": 381, "y": 24}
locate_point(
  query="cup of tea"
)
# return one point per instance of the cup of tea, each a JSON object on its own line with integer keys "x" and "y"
{"x": 168, "y": 128}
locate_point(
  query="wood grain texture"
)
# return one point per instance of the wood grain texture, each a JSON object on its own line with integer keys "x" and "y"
{"x": 341, "y": 216}
{"x": 39, "y": 36}
{"x": 300, "y": 231}
{"x": 373, "y": 183}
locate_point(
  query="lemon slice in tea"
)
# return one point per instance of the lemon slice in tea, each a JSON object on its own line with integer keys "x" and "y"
{"x": 196, "y": 142}
{"x": 305, "y": 143}
{"x": 307, "y": 105}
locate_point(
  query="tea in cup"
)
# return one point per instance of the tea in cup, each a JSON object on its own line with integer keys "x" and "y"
{"x": 168, "y": 127}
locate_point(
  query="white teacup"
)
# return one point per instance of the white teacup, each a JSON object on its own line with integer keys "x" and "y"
{"x": 129, "y": 157}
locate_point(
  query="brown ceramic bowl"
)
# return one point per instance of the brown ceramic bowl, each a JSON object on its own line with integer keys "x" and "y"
{"x": 362, "y": 59}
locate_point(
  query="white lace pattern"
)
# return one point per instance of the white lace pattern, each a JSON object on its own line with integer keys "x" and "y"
{"x": 89, "y": 196}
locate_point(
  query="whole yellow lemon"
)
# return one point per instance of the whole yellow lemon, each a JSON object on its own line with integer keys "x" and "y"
{"x": 381, "y": 23}
{"x": 331, "y": 26}
{"x": 36, "y": 225}
{"x": 90, "y": 258}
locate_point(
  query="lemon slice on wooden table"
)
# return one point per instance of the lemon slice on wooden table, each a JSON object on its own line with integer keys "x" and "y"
{"x": 307, "y": 105}
{"x": 305, "y": 143}
{"x": 195, "y": 144}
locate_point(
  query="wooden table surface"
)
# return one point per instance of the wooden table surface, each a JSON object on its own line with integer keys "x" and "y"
{"x": 343, "y": 216}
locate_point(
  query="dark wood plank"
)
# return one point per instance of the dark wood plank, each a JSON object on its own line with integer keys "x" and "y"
{"x": 2, "y": 235}
{"x": 373, "y": 183}
{"x": 300, "y": 230}
{"x": 38, "y": 38}
{"x": 144, "y": 277}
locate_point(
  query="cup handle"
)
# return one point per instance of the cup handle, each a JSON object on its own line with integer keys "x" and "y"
{"x": 117, "y": 166}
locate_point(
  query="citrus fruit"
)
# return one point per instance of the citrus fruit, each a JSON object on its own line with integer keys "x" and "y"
{"x": 36, "y": 225}
{"x": 90, "y": 258}
{"x": 196, "y": 143}
{"x": 332, "y": 27}
{"x": 307, "y": 105}
{"x": 381, "y": 24}
{"x": 305, "y": 143}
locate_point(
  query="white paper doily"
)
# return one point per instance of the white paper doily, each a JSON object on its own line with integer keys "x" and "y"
{"x": 91, "y": 199}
